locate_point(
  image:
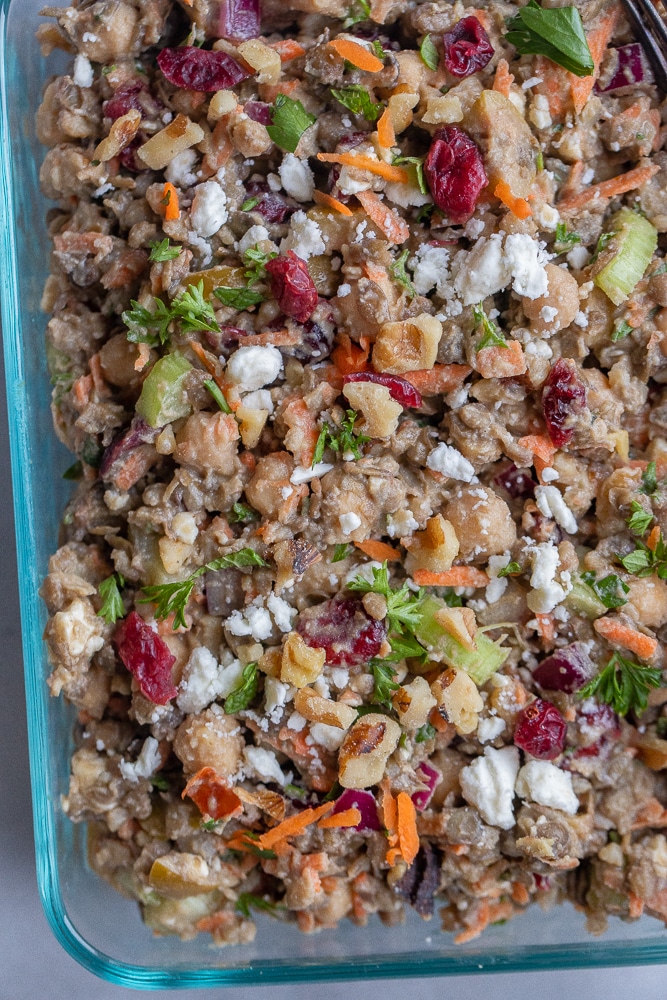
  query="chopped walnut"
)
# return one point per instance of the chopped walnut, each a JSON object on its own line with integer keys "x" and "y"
{"x": 407, "y": 346}
{"x": 301, "y": 664}
{"x": 458, "y": 699}
{"x": 435, "y": 548}
{"x": 365, "y": 750}
{"x": 311, "y": 706}
{"x": 379, "y": 410}
{"x": 413, "y": 702}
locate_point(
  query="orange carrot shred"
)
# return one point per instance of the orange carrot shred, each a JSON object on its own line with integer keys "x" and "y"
{"x": 440, "y": 378}
{"x": 212, "y": 795}
{"x": 653, "y": 538}
{"x": 347, "y": 357}
{"x": 328, "y": 201}
{"x": 170, "y": 201}
{"x": 348, "y": 817}
{"x": 293, "y": 825}
{"x": 598, "y": 39}
{"x": 457, "y": 576}
{"x": 540, "y": 445}
{"x": 501, "y": 362}
{"x": 386, "y": 134}
{"x": 546, "y": 626}
{"x": 518, "y": 206}
{"x": 361, "y": 162}
{"x": 287, "y": 49}
{"x": 379, "y": 551}
{"x": 357, "y": 54}
{"x": 503, "y": 79}
{"x": 620, "y": 184}
{"x": 407, "y": 827}
{"x": 391, "y": 224}
{"x": 644, "y": 646}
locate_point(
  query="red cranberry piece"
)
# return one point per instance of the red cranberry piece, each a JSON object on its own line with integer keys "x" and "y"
{"x": 467, "y": 47}
{"x": 597, "y": 722}
{"x": 126, "y": 98}
{"x": 455, "y": 173}
{"x": 541, "y": 730}
{"x": 568, "y": 669}
{"x": 128, "y": 156}
{"x": 563, "y": 397}
{"x": 342, "y": 628}
{"x": 399, "y": 388}
{"x": 258, "y": 111}
{"x": 147, "y": 657}
{"x": 292, "y": 286}
{"x": 239, "y": 19}
{"x": 200, "y": 69}
{"x": 542, "y": 882}
{"x": 517, "y": 482}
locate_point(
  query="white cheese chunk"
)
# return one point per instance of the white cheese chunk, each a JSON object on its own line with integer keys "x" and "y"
{"x": 83, "y": 72}
{"x": 297, "y": 177}
{"x": 263, "y": 764}
{"x": 303, "y": 475}
{"x": 209, "y": 209}
{"x": 450, "y": 462}
{"x": 146, "y": 764}
{"x": 546, "y": 784}
{"x": 304, "y": 237}
{"x": 550, "y": 502}
{"x": 254, "y": 367}
{"x": 349, "y": 522}
{"x": 203, "y": 681}
{"x": 488, "y": 784}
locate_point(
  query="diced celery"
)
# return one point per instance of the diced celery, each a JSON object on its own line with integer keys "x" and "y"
{"x": 479, "y": 663}
{"x": 163, "y": 397}
{"x": 583, "y": 600}
{"x": 629, "y": 253}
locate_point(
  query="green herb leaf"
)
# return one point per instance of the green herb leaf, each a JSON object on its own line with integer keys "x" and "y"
{"x": 564, "y": 239}
{"x": 160, "y": 783}
{"x": 218, "y": 395}
{"x": 74, "y": 472}
{"x": 609, "y": 590}
{"x": 623, "y": 684}
{"x": 359, "y": 11}
{"x": 639, "y": 520}
{"x": 358, "y": 101}
{"x": 145, "y": 327}
{"x": 250, "y": 203}
{"x": 491, "y": 335}
{"x": 539, "y": 161}
{"x": 248, "y": 899}
{"x": 241, "y": 513}
{"x": 425, "y": 733}
{"x": 92, "y": 452}
{"x": 418, "y": 163}
{"x": 112, "y": 607}
{"x": 333, "y": 793}
{"x": 429, "y": 53}
{"x": 290, "y": 120}
{"x": 557, "y": 33}
{"x": 621, "y": 331}
{"x": 255, "y": 261}
{"x": 238, "y": 298}
{"x": 649, "y": 486}
{"x": 376, "y": 45}
{"x": 401, "y": 276}
{"x": 384, "y": 683}
{"x": 235, "y": 560}
{"x": 404, "y": 646}
{"x": 425, "y": 212}
{"x": 342, "y": 439}
{"x": 451, "y": 598}
{"x": 244, "y": 692}
{"x": 299, "y": 793}
{"x": 194, "y": 311}
{"x": 637, "y": 562}
{"x": 510, "y": 569}
{"x": 342, "y": 552}
{"x": 161, "y": 251}
{"x": 403, "y": 606}
{"x": 210, "y": 825}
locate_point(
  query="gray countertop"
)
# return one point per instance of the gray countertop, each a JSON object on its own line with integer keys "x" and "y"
{"x": 32, "y": 963}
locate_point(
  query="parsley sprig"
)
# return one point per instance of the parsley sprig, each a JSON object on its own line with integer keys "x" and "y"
{"x": 109, "y": 590}
{"x": 240, "y": 513}
{"x": 649, "y": 486}
{"x": 609, "y": 590}
{"x": 342, "y": 439}
{"x": 404, "y": 614}
{"x": 173, "y": 597}
{"x": 255, "y": 261}
{"x": 491, "y": 335}
{"x": 289, "y": 121}
{"x": 401, "y": 276}
{"x": 244, "y": 692}
{"x": 639, "y": 519}
{"x": 623, "y": 684}
{"x": 556, "y": 32}
{"x": 384, "y": 684}
{"x": 191, "y": 309}
{"x": 357, "y": 100}
{"x": 564, "y": 239}
{"x": 162, "y": 251}
{"x": 644, "y": 561}
{"x": 429, "y": 53}
{"x": 249, "y": 899}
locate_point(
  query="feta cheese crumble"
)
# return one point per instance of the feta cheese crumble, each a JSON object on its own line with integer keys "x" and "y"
{"x": 450, "y": 462}
{"x": 297, "y": 177}
{"x": 254, "y": 367}
{"x": 83, "y": 72}
{"x": 349, "y": 522}
{"x": 262, "y": 764}
{"x": 146, "y": 764}
{"x": 208, "y": 212}
{"x": 304, "y": 238}
{"x": 550, "y": 502}
{"x": 488, "y": 784}
{"x": 546, "y": 784}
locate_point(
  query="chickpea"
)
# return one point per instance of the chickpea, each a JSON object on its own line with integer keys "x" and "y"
{"x": 272, "y": 475}
{"x": 117, "y": 358}
{"x": 210, "y": 739}
{"x": 562, "y": 296}
{"x": 209, "y": 441}
{"x": 647, "y": 601}
{"x": 482, "y": 522}
{"x": 250, "y": 137}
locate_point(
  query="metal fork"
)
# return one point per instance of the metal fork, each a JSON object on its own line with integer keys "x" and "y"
{"x": 651, "y": 30}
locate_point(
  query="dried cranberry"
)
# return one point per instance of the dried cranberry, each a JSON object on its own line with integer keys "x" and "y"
{"x": 564, "y": 396}
{"x": 455, "y": 173}
{"x": 399, "y": 388}
{"x": 542, "y": 882}
{"x": 128, "y": 156}
{"x": 517, "y": 482}
{"x": 342, "y": 628}
{"x": 147, "y": 657}
{"x": 467, "y": 47}
{"x": 239, "y": 19}
{"x": 275, "y": 208}
{"x": 568, "y": 669}
{"x": 317, "y": 341}
{"x": 126, "y": 98}
{"x": 201, "y": 69}
{"x": 292, "y": 286}
{"x": 541, "y": 730}
{"x": 258, "y": 111}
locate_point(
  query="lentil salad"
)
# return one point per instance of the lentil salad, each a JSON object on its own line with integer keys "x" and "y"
{"x": 357, "y": 325}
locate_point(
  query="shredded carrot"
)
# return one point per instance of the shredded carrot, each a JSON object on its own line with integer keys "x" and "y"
{"x": 348, "y": 817}
{"x": 457, "y": 576}
{"x": 287, "y": 49}
{"x": 391, "y": 224}
{"x": 554, "y": 85}
{"x": 269, "y": 91}
{"x": 482, "y": 918}
{"x": 546, "y": 626}
{"x": 653, "y": 538}
{"x": 615, "y": 631}
{"x": 357, "y": 54}
{"x": 378, "y": 550}
{"x": 293, "y": 825}
{"x": 620, "y": 184}
{"x": 143, "y": 357}
{"x": 440, "y": 378}
{"x": 503, "y": 79}
{"x": 598, "y": 39}
{"x": 386, "y": 134}
{"x": 347, "y": 357}
{"x": 501, "y": 362}
{"x": 520, "y": 894}
{"x": 212, "y": 795}
{"x": 540, "y": 445}
{"x": 518, "y": 206}
{"x": 170, "y": 199}
{"x": 328, "y": 201}
{"x": 407, "y": 827}
{"x": 361, "y": 162}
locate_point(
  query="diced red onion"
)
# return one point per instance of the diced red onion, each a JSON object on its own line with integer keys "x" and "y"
{"x": 239, "y": 19}
{"x": 626, "y": 67}
{"x": 431, "y": 778}
{"x": 364, "y": 802}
